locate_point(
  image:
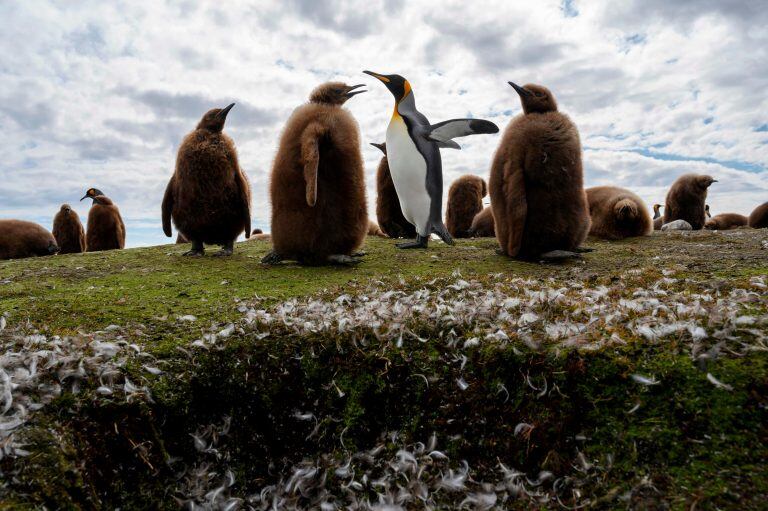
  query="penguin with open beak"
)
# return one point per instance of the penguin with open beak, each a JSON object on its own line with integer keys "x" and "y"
{"x": 413, "y": 151}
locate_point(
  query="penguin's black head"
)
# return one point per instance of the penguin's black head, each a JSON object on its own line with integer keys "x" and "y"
{"x": 381, "y": 147}
{"x": 334, "y": 93}
{"x": 213, "y": 120}
{"x": 91, "y": 193}
{"x": 535, "y": 98}
{"x": 706, "y": 210}
{"x": 397, "y": 85}
{"x": 53, "y": 248}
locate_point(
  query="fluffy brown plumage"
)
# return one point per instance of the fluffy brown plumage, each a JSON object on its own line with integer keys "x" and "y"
{"x": 482, "y": 224}
{"x": 726, "y": 221}
{"x": 208, "y": 197}
{"x": 388, "y": 211}
{"x": 181, "y": 239}
{"x": 106, "y": 230}
{"x": 617, "y": 213}
{"x": 317, "y": 187}
{"x": 759, "y": 217}
{"x": 375, "y": 230}
{"x": 465, "y": 200}
{"x": 536, "y": 182}
{"x": 686, "y": 198}
{"x": 68, "y": 231}
{"x": 19, "y": 238}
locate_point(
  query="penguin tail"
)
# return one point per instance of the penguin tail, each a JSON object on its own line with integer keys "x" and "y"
{"x": 444, "y": 234}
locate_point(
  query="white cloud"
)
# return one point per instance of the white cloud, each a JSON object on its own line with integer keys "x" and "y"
{"x": 100, "y": 94}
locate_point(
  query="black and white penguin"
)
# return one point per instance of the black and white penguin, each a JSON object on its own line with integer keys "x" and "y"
{"x": 413, "y": 151}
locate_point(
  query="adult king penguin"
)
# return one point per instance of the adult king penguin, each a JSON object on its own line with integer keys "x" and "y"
{"x": 413, "y": 151}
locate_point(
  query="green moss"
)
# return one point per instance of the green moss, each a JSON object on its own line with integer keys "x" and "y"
{"x": 694, "y": 442}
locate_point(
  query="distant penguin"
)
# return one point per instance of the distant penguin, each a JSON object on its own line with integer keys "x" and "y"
{"x": 106, "y": 230}
{"x": 465, "y": 200}
{"x": 617, "y": 213}
{"x": 208, "y": 197}
{"x": 388, "y": 212}
{"x": 686, "y": 198}
{"x": 375, "y": 230}
{"x": 256, "y": 231}
{"x": 758, "y": 219}
{"x": 413, "y": 153}
{"x": 536, "y": 184}
{"x": 706, "y": 210}
{"x": 181, "y": 239}
{"x": 658, "y": 220}
{"x": 68, "y": 231}
{"x": 19, "y": 238}
{"x": 726, "y": 221}
{"x": 482, "y": 224}
{"x": 319, "y": 212}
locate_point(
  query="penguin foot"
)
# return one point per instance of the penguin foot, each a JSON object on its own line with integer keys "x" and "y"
{"x": 500, "y": 252}
{"x": 226, "y": 250}
{"x": 421, "y": 242}
{"x": 272, "y": 258}
{"x": 194, "y": 253}
{"x": 344, "y": 259}
{"x": 559, "y": 255}
{"x": 361, "y": 253}
{"x": 583, "y": 250}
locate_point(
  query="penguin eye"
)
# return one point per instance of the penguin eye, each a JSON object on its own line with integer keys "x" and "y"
{"x": 539, "y": 94}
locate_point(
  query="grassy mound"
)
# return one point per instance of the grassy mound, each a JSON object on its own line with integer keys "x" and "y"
{"x": 637, "y": 378}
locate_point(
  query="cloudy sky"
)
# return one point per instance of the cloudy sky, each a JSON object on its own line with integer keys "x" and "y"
{"x": 100, "y": 93}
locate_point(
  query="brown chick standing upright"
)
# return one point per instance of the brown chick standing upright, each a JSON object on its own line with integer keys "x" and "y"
{"x": 319, "y": 213}
{"x": 208, "y": 197}
{"x": 19, "y": 239}
{"x": 617, "y": 213}
{"x": 465, "y": 200}
{"x": 686, "y": 200}
{"x": 106, "y": 229}
{"x": 388, "y": 210}
{"x": 68, "y": 231}
{"x": 536, "y": 183}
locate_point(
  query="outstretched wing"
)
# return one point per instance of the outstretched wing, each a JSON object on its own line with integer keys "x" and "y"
{"x": 310, "y": 156}
{"x": 444, "y": 132}
{"x": 168, "y": 207}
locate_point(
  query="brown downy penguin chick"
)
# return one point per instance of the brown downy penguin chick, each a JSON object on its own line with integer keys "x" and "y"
{"x": 758, "y": 219}
{"x": 317, "y": 187}
{"x": 536, "y": 184}
{"x": 465, "y": 200}
{"x": 388, "y": 211}
{"x": 482, "y": 224}
{"x": 19, "y": 238}
{"x": 208, "y": 197}
{"x": 657, "y": 218}
{"x": 106, "y": 230}
{"x": 68, "y": 231}
{"x": 259, "y": 235}
{"x": 375, "y": 230}
{"x": 726, "y": 221}
{"x": 617, "y": 213}
{"x": 685, "y": 200}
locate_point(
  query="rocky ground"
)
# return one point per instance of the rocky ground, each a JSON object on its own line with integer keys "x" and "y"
{"x": 452, "y": 378}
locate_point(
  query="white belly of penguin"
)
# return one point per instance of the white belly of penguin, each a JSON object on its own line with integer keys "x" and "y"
{"x": 409, "y": 174}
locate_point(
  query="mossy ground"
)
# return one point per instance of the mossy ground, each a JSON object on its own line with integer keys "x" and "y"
{"x": 697, "y": 444}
